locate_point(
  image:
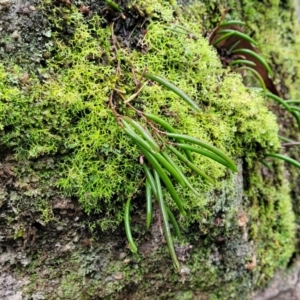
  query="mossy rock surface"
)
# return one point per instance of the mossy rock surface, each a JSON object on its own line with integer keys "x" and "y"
{"x": 68, "y": 166}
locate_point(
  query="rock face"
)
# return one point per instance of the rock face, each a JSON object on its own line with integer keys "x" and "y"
{"x": 67, "y": 166}
{"x": 297, "y": 8}
{"x": 284, "y": 286}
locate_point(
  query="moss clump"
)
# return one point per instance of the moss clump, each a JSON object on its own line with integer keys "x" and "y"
{"x": 64, "y": 113}
{"x": 68, "y": 113}
{"x": 274, "y": 218}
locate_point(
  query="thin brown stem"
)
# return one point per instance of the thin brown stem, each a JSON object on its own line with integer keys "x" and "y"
{"x": 156, "y": 130}
{"x": 137, "y": 187}
{"x": 115, "y": 47}
{"x": 292, "y": 144}
{"x": 142, "y": 75}
{"x": 136, "y": 81}
{"x": 113, "y": 108}
{"x": 160, "y": 226}
{"x": 133, "y": 96}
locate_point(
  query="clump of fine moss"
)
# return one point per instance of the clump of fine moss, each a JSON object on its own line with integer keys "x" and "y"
{"x": 68, "y": 113}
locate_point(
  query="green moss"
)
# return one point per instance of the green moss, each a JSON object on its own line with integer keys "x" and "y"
{"x": 63, "y": 115}
{"x": 275, "y": 219}
{"x": 73, "y": 116}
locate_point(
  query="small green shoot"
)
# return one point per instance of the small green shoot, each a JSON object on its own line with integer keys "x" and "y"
{"x": 164, "y": 215}
{"x": 132, "y": 245}
{"x": 232, "y": 22}
{"x": 242, "y": 62}
{"x": 256, "y": 56}
{"x": 174, "y": 89}
{"x": 238, "y": 34}
{"x": 279, "y": 100}
{"x": 113, "y": 5}
{"x": 285, "y": 158}
{"x": 257, "y": 75}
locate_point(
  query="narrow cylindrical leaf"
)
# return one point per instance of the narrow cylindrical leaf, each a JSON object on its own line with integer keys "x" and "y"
{"x": 161, "y": 122}
{"x": 189, "y": 164}
{"x": 165, "y": 179}
{"x": 206, "y": 153}
{"x": 139, "y": 141}
{"x": 164, "y": 216}
{"x": 285, "y": 158}
{"x": 238, "y": 34}
{"x": 148, "y": 203}
{"x": 150, "y": 178}
{"x": 265, "y": 164}
{"x": 296, "y": 116}
{"x": 188, "y": 184}
{"x": 232, "y": 22}
{"x": 157, "y": 167}
{"x": 143, "y": 132}
{"x": 256, "y": 74}
{"x": 233, "y": 46}
{"x": 169, "y": 128}
{"x": 295, "y": 108}
{"x": 285, "y": 139}
{"x": 132, "y": 245}
{"x": 174, "y": 223}
{"x": 215, "y": 150}
{"x": 174, "y": 89}
{"x": 279, "y": 100}
{"x": 113, "y": 5}
{"x": 222, "y": 37}
{"x": 170, "y": 168}
{"x": 242, "y": 62}
{"x": 292, "y": 101}
{"x": 257, "y": 56}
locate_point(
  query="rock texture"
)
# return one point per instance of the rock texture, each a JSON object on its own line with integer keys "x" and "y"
{"x": 284, "y": 286}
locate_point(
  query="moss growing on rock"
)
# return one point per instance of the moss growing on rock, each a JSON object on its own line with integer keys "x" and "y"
{"x": 68, "y": 112}
{"x": 62, "y": 114}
